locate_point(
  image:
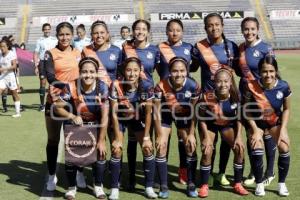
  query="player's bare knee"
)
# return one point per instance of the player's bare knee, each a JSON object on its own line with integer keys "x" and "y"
{"x": 283, "y": 147}
{"x": 147, "y": 151}
{"x": 117, "y": 152}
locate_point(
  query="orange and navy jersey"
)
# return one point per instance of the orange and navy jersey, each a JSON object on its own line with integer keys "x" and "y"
{"x": 87, "y": 105}
{"x": 61, "y": 66}
{"x": 268, "y": 101}
{"x": 129, "y": 100}
{"x": 213, "y": 56}
{"x": 218, "y": 112}
{"x": 149, "y": 56}
{"x": 167, "y": 52}
{"x": 111, "y": 58}
{"x": 177, "y": 101}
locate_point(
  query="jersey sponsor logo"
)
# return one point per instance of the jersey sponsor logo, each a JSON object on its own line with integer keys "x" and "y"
{"x": 112, "y": 57}
{"x": 186, "y": 52}
{"x": 279, "y": 95}
{"x": 149, "y": 55}
{"x": 256, "y": 53}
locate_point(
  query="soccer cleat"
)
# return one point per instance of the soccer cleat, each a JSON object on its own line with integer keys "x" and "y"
{"x": 192, "y": 191}
{"x": 114, "y": 195}
{"x": 182, "y": 175}
{"x": 17, "y": 115}
{"x": 150, "y": 194}
{"x": 4, "y": 110}
{"x": 99, "y": 193}
{"x": 163, "y": 194}
{"x": 80, "y": 180}
{"x": 51, "y": 183}
{"x": 268, "y": 179}
{"x": 42, "y": 108}
{"x": 211, "y": 181}
{"x": 70, "y": 194}
{"x": 203, "y": 191}
{"x": 221, "y": 178}
{"x": 239, "y": 189}
{"x": 260, "y": 190}
{"x": 282, "y": 190}
{"x": 250, "y": 180}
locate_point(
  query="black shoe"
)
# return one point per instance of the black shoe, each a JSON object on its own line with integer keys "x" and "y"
{"x": 22, "y": 108}
{"x": 42, "y": 108}
{"x": 4, "y": 110}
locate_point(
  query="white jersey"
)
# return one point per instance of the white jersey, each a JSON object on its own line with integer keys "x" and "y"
{"x": 44, "y": 44}
{"x": 119, "y": 43}
{"x": 81, "y": 43}
{"x": 6, "y": 62}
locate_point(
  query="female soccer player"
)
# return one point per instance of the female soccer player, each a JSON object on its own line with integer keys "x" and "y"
{"x": 61, "y": 65}
{"x": 8, "y": 65}
{"x": 175, "y": 99}
{"x": 108, "y": 55}
{"x": 82, "y": 40}
{"x": 89, "y": 103}
{"x": 271, "y": 95}
{"x": 212, "y": 53}
{"x": 251, "y": 51}
{"x": 174, "y": 46}
{"x": 139, "y": 47}
{"x": 131, "y": 106}
{"x": 219, "y": 112}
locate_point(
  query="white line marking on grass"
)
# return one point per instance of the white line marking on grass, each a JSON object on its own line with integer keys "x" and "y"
{"x": 48, "y": 195}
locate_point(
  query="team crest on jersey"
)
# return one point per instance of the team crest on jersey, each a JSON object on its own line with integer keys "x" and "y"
{"x": 186, "y": 52}
{"x": 112, "y": 57}
{"x": 149, "y": 55}
{"x": 279, "y": 95}
{"x": 256, "y": 53}
{"x": 187, "y": 94}
{"x": 233, "y": 106}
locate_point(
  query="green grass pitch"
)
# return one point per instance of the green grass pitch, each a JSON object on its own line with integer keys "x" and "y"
{"x": 22, "y": 152}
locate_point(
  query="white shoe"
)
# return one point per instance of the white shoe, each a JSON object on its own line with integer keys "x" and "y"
{"x": 80, "y": 180}
{"x": 51, "y": 183}
{"x": 260, "y": 190}
{"x": 250, "y": 180}
{"x": 150, "y": 193}
{"x": 99, "y": 193}
{"x": 267, "y": 180}
{"x": 17, "y": 115}
{"x": 114, "y": 195}
{"x": 282, "y": 190}
{"x": 70, "y": 194}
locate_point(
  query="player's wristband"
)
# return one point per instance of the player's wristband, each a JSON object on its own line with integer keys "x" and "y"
{"x": 146, "y": 138}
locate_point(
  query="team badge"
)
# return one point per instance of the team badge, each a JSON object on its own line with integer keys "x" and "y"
{"x": 186, "y": 52}
{"x": 256, "y": 53}
{"x": 187, "y": 94}
{"x": 149, "y": 55}
{"x": 112, "y": 57}
{"x": 279, "y": 95}
{"x": 233, "y": 106}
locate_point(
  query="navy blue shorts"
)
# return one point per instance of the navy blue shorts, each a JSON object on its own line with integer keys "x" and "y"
{"x": 181, "y": 122}
{"x": 217, "y": 128}
{"x": 133, "y": 124}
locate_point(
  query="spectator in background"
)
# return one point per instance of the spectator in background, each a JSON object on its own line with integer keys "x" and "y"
{"x": 43, "y": 44}
{"x": 82, "y": 40}
{"x": 125, "y": 35}
{"x": 23, "y": 46}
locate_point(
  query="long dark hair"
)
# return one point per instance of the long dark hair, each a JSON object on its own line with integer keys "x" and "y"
{"x": 233, "y": 91}
{"x": 8, "y": 43}
{"x": 271, "y": 60}
{"x": 229, "y": 62}
{"x": 62, "y": 25}
{"x": 136, "y": 23}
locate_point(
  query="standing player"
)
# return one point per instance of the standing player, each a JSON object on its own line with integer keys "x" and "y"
{"x": 61, "y": 67}
{"x": 8, "y": 65}
{"x": 270, "y": 98}
{"x": 81, "y": 40}
{"x": 175, "y": 100}
{"x": 108, "y": 55}
{"x": 219, "y": 113}
{"x": 139, "y": 47}
{"x": 251, "y": 52}
{"x": 43, "y": 44}
{"x": 212, "y": 53}
{"x": 125, "y": 35}
{"x": 89, "y": 103}
{"x": 174, "y": 46}
{"x": 131, "y": 106}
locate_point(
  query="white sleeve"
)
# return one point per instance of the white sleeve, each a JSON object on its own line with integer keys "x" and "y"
{"x": 38, "y": 46}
